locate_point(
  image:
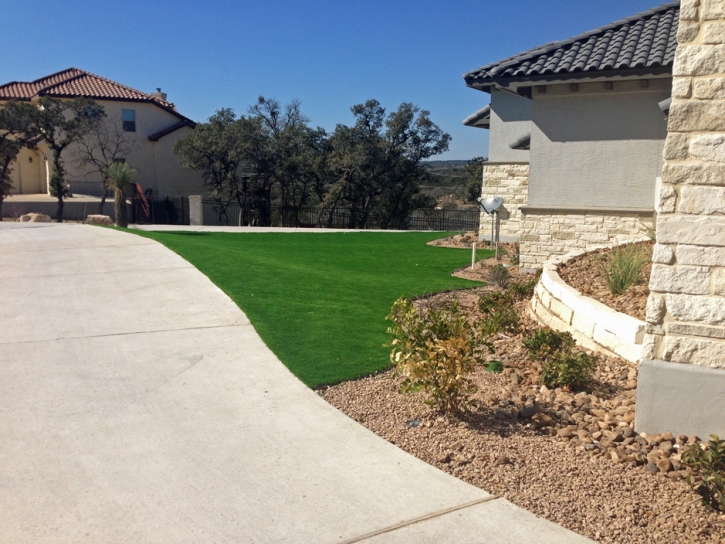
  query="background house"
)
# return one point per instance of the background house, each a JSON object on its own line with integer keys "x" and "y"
{"x": 577, "y": 133}
{"x": 151, "y": 123}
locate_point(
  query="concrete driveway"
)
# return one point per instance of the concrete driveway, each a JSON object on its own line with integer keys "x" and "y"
{"x": 137, "y": 404}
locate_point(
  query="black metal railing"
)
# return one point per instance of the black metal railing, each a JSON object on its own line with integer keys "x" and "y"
{"x": 160, "y": 210}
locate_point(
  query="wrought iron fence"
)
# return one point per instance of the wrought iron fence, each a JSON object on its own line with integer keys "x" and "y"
{"x": 160, "y": 210}
{"x": 280, "y": 216}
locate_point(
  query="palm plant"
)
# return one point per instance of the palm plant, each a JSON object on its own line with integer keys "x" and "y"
{"x": 119, "y": 176}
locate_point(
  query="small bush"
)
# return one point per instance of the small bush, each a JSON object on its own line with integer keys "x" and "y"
{"x": 648, "y": 231}
{"x": 623, "y": 267}
{"x": 708, "y": 465}
{"x": 434, "y": 352}
{"x": 499, "y": 314}
{"x": 567, "y": 369}
{"x": 562, "y": 367}
{"x": 515, "y": 257}
{"x": 546, "y": 342}
{"x": 499, "y": 276}
{"x": 523, "y": 289}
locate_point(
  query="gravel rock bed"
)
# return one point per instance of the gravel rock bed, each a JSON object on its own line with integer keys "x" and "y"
{"x": 570, "y": 457}
{"x": 585, "y": 275}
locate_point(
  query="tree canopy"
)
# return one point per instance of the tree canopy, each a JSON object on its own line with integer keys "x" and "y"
{"x": 371, "y": 167}
{"x": 18, "y": 129}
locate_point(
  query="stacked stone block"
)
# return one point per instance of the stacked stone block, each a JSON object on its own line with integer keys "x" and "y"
{"x": 511, "y": 182}
{"x": 546, "y": 234}
{"x": 686, "y": 307}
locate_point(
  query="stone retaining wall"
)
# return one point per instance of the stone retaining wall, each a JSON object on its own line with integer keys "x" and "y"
{"x": 592, "y": 324}
{"x": 510, "y": 182}
{"x": 549, "y": 232}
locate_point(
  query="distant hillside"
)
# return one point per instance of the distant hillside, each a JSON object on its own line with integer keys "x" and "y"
{"x": 446, "y": 173}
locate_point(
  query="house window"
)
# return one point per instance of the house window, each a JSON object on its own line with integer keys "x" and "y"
{"x": 129, "y": 120}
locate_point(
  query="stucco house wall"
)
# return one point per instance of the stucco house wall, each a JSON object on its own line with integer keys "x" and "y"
{"x": 510, "y": 118}
{"x": 597, "y": 147}
{"x": 150, "y": 153}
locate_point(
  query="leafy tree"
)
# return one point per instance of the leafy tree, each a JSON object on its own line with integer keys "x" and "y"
{"x": 376, "y": 162}
{"x": 474, "y": 178}
{"x": 103, "y": 145}
{"x": 17, "y": 130}
{"x": 61, "y": 123}
{"x": 120, "y": 176}
{"x": 284, "y": 153}
{"x": 215, "y": 149}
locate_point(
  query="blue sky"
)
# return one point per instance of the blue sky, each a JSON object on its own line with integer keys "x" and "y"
{"x": 328, "y": 54}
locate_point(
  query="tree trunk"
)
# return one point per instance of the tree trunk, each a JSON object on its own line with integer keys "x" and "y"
{"x": 2, "y": 198}
{"x": 119, "y": 208}
{"x": 103, "y": 198}
{"x": 59, "y": 213}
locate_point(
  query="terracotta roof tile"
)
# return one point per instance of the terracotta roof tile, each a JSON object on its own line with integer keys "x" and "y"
{"x": 645, "y": 40}
{"x": 74, "y": 82}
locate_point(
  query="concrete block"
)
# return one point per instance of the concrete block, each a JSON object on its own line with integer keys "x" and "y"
{"x": 693, "y": 116}
{"x": 711, "y": 9}
{"x": 696, "y": 330}
{"x": 680, "y": 398}
{"x": 681, "y": 86}
{"x": 663, "y": 254}
{"x": 699, "y": 60}
{"x": 691, "y": 230}
{"x": 693, "y": 174}
{"x": 656, "y": 309}
{"x": 680, "y": 349}
{"x": 694, "y": 280}
{"x": 561, "y": 310}
{"x": 582, "y": 324}
{"x": 666, "y": 201}
{"x": 701, "y": 256}
{"x": 704, "y": 310}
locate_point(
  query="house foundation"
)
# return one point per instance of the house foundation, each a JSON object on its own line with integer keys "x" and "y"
{"x": 547, "y": 231}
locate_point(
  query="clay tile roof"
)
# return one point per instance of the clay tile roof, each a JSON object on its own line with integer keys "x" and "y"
{"x": 73, "y": 82}
{"x": 644, "y": 41}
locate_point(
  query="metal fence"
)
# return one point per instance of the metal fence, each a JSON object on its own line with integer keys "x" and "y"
{"x": 422, "y": 219}
{"x": 160, "y": 210}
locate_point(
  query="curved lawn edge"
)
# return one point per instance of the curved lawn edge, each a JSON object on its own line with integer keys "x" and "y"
{"x": 319, "y": 300}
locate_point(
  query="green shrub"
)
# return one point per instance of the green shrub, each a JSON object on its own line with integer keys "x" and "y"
{"x": 524, "y": 289}
{"x": 546, "y": 342}
{"x": 499, "y": 313}
{"x": 562, "y": 367}
{"x": 499, "y": 276}
{"x": 567, "y": 369}
{"x": 708, "y": 465}
{"x": 434, "y": 352}
{"x": 623, "y": 267}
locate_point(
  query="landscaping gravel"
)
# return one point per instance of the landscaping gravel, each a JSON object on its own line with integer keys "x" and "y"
{"x": 585, "y": 274}
{"x": 570, "y": 457}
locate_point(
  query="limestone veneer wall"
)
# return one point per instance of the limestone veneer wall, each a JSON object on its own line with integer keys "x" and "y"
{"x": 510, "y": 181}
{"x": 554, "y": 231}
{"x": 686, "y": 308}
{"x": 592, "y": 324}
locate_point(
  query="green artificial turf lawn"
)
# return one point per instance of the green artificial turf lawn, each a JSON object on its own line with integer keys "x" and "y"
{"x": 319, "y": 301}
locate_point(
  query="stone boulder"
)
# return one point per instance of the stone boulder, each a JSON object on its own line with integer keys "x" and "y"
{"x": 35, "y": 218}
{"x": 99, "y": 220}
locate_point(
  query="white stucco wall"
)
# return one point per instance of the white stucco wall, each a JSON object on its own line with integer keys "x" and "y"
{"x": 158, "y": 168}
{"x": 597, "y": 147}
{"x": 510, "y": 119}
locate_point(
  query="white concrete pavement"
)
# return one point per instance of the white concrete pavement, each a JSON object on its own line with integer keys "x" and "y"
{"x": 137, "y": 404}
